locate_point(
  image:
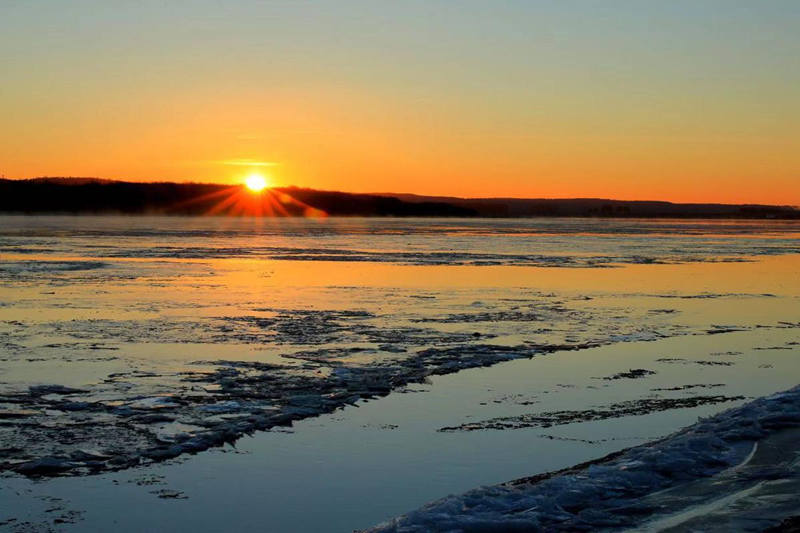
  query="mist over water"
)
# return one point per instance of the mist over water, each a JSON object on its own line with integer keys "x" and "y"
{"x": 532, "y": 242}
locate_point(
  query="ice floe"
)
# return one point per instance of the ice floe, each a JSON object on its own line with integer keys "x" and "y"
{"x": 616, "y": 491}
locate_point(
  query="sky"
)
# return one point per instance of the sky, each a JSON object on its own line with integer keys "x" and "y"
{"x": 682, "y": 100}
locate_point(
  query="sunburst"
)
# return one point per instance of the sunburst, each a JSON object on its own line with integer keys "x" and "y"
{"x": 256, "y": 182}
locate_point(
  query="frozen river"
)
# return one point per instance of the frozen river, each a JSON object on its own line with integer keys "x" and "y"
{"x": 378, "y": 364}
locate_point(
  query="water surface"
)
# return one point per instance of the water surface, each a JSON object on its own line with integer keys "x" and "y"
{"x": 214, "y": 323}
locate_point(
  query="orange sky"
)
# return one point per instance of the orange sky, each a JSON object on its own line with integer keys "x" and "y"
{"x": 682, "y": 103}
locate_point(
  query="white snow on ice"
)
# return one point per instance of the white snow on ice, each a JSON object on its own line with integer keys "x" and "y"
{"x": 607, "y": 493}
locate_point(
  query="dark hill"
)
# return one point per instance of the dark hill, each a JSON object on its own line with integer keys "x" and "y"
{"x": 592, "y": 207}
{"x": 97, "y": 196}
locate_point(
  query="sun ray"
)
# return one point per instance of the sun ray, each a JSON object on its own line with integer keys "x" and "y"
{"x": 253, "y": 198}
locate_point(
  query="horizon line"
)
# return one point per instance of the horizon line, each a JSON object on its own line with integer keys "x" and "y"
{"x": 399, "y": 195}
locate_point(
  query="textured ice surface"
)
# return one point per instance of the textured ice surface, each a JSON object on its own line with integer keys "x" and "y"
{"x": 150, "y": 410}
{"x": 130, "y": 340}
{"x": 638, "y": 407}
{"x": 613, "y": 492}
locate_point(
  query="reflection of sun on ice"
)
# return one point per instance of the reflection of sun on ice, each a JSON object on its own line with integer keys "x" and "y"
{"x": 256, "y": 182}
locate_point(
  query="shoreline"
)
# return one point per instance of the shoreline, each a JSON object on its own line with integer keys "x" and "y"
{"x": 675, "y": 481}
{"x": 91, "y": 195}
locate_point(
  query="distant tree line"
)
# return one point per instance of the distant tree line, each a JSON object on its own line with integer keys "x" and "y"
{"x": 97, "y": 196}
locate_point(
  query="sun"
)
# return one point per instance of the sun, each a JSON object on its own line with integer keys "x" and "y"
{"x": 256, "y": 182}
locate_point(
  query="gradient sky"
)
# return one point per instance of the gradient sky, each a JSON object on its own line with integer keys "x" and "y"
{"x": 677, "y": 100}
